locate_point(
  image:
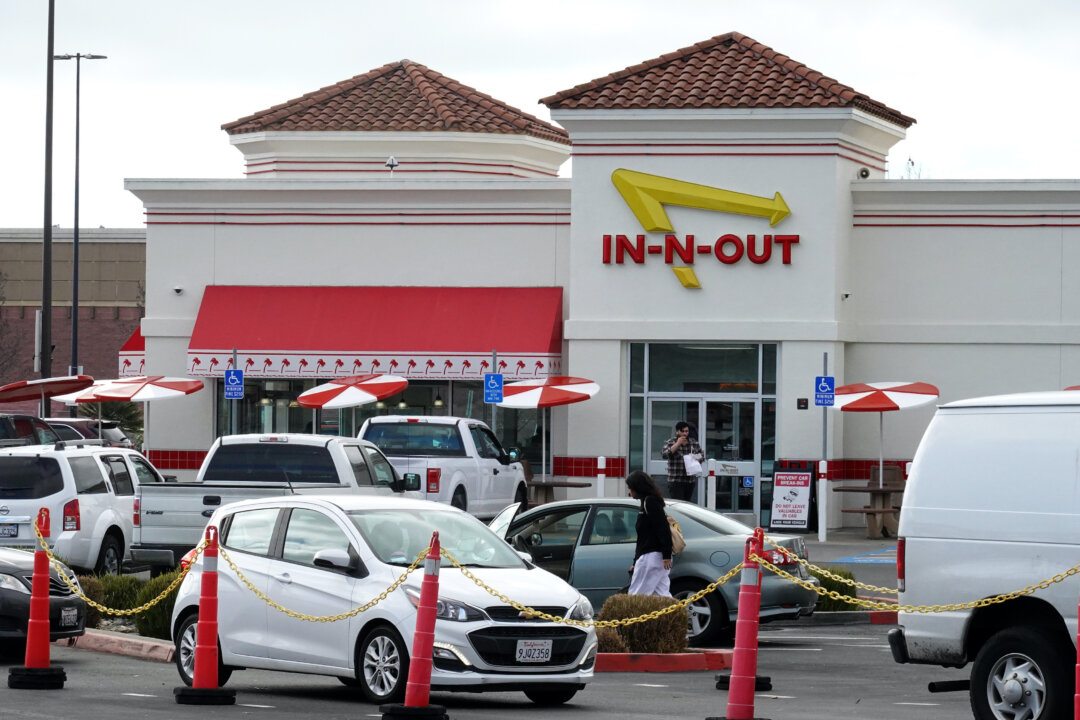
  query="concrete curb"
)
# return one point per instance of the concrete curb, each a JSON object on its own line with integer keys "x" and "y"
{"x": 123, "y": 644}
{"x": 664, "y": 662}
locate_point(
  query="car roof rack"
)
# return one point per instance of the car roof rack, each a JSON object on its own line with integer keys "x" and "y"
{"x": 63, "y": 444}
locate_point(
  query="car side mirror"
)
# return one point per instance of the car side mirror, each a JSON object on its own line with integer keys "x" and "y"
{"x": 514, "y": 454}
{"x": 526, "y": 556}
{"x": 333, "y": 559}
{"x": 412, "y": 481}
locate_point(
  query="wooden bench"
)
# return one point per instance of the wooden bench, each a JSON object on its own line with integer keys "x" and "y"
{"x": 543, "y": 491}
{"x": 883, "y": 513}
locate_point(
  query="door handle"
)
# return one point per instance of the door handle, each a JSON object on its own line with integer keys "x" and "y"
{"x": 284, "y": 578}
{"x": 211, "y": 500}
{"x": 495, "y": 471}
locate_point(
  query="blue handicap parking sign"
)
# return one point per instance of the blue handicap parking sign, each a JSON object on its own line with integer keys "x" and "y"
{"x": 748, "y": 482}
{"x": 493, "y": 387}
{"x": 824, "y": 389}
{"x": 234, "y": 384}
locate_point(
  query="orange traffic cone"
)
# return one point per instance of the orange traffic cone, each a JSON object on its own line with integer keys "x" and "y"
{"x": 36, "y": 673}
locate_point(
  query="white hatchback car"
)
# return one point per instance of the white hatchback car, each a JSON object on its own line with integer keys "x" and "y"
{"x": 89, "y": 491}
{"x": 325, "y": 555}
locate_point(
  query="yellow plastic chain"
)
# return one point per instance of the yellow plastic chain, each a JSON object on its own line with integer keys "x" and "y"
{"x": 822, "y": 571}
{"x": 925, "y": 609}
{"x": 75, "y": 589}
{"x": 324, "y": 618}
{"x": 530, "y": 612}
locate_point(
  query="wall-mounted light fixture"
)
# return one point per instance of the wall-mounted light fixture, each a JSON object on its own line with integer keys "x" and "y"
{"x": 438, "y": 400}
{"x": 402, "y": 405}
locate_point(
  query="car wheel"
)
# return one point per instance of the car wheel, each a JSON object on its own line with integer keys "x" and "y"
{"x": 382, "y": 665}
{"x": 186, "y": 638}
{"x": 708, "y": 617}
{"x": 459, "y": 500}
{"x": 522, "y": 497}
{"x": 552, "y": 695}
{"x": 110, "y": 557}
{"x": 1022, "y": 673}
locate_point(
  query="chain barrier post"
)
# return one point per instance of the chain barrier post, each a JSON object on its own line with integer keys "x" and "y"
{"x": 36, "y": 673}
{"x": 204, "y": 688}
{"x": 601, "y": 475}
{"x": 418, "y": 687}
{"x": 744, "y": 663}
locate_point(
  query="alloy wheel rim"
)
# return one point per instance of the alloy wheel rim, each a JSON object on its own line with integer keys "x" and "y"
{"x": 382, "y": 665}
{"x": 1015, "y": 688}
{"x": 187, "y": 650}
{"x": 699, "y": 614}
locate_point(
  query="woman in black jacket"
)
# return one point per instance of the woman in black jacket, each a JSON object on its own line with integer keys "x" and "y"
{"x": 652, "y": 555}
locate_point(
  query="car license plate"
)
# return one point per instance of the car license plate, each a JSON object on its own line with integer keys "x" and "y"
{"x": 531, "y": 651}
{"x": 69, "y": 617}
{"x": 9, "y": 530}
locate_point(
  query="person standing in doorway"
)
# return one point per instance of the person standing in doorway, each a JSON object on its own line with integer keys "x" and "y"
{"x": 681, "y": 485}
{"x": 652, "y": 554}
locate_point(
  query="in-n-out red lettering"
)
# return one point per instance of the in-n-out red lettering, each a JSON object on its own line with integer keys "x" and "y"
{"x": 685, "y": 251}
{"x": 729, "y": 249}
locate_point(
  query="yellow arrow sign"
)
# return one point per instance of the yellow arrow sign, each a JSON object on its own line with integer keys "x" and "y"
{"x": 646, "y": 196}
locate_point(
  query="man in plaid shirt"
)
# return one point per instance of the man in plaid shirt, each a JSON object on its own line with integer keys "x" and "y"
{"x": 680, "y": 485}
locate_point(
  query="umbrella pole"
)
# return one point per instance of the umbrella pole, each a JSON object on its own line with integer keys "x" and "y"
{"x": 881, "y": 450}
{"x": 146, "y": 428}
{"x": 543, "y": 443}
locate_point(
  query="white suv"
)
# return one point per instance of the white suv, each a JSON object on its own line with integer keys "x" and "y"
{"x": 89, "y": 491}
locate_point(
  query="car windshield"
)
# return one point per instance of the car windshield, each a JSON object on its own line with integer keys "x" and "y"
{"x": 397, "y": 536}
{"x": 711, "y": 519}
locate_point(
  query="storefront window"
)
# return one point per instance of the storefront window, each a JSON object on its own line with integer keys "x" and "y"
{"x": 768, "y": 369}
{"x": 637, "y": 367}
{"x": 703, "y": 368}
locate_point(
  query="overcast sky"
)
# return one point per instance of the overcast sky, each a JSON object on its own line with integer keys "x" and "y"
{"x": 991, "y": 83}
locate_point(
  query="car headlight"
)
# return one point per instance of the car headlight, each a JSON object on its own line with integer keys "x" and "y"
{"x": 582, "y": 610}
{"x": 447, "y": 609}
{"x": 10, "y": 582}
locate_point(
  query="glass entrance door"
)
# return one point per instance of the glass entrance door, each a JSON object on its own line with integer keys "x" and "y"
{"x": 727, "y": 431}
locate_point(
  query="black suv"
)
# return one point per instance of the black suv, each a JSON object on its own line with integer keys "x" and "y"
{"x": 25, "y": 430}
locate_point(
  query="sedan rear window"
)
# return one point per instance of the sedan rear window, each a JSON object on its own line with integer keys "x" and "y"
{"x": 29, "y": 478}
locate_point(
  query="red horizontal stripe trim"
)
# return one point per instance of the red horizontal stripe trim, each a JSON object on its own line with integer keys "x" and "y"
{"x": 962, "y": 215}
{"x": 229, "y": 213}
{"x": 842, "y": 146}
{"x": 960, "y": 225}
{"x": 472, "y": 224}
{"x": 728, "y": 154}
{"x": 469, "y": 172}
{"x": 381, "y": 164}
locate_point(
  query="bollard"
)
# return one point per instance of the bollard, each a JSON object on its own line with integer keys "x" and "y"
{"x": 36, "y": 673}
{"x": 601, "y": 475}
{"x": 204, "y": 688}
{"x": 744, "y": 663}
{"x": 823, "y": 501}
{"x": 1076, "y": 697}
{"x": 418, "y": 687}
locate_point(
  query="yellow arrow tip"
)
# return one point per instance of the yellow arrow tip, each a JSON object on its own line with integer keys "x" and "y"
{"x": 780, "y": 210}
{"x": 687, "y": 277}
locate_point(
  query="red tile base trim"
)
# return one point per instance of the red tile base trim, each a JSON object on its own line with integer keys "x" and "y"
{"x": 587, "y": 466}
{"x": 176, "y": 459}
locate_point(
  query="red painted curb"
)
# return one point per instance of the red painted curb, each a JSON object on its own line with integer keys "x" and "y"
{"x": 663, "y": 662}
{"x": 117, "y": 644}
{"x": 883, "y": 617}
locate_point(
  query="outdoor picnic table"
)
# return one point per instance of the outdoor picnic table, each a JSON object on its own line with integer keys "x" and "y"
{"x": 883, "y": 512}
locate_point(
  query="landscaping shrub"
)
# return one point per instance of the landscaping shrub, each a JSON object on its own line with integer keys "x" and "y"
{"x": 120, "y": 591}
{"x": 91, "y": 587}
{"x": 154, "y": 622}
{"x": 665, "y": 634}
{"x": 825, "y": 604}
{"x": 608, "y": 640}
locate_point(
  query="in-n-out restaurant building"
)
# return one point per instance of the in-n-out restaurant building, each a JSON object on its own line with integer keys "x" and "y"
{"x": 726, "y": 229}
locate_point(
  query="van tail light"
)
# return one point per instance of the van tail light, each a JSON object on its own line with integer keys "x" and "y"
{"x": 780, "y": 558}
{"x": 433, "y": 475}
{"x": 135, "y": 513}
{"x": 901, "y": 564}
{"x": 71, "y": 516}
{"x": 189, "y": 557}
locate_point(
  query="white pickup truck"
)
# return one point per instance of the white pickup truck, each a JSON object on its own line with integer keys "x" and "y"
{"x": 459, "y": 460}
{"x": 170, "y": 517}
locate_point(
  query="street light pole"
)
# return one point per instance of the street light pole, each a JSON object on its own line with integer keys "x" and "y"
{"x": 74, "y": 368}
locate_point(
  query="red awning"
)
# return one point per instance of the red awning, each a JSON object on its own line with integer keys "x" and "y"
{"x": 416, "y": 332}
{"x": 133, "y": 355}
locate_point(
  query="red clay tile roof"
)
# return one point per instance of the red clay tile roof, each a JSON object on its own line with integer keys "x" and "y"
{"x": 727, "y": 71}
{"x": 401, "y": 96}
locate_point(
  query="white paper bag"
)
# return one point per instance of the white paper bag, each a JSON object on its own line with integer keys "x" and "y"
{"x": 693, "y": 467}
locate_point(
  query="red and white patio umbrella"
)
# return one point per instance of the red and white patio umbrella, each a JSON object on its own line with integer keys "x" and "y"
{"x": 352, "y": 391}
{"x": 41, "y": 389}
{"x": 546, "y": 393}
{"x": 882, "y": 397}
{"x": 144, "y": 389}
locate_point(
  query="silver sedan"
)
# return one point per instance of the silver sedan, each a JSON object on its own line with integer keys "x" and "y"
{"x": 590, "y": 544}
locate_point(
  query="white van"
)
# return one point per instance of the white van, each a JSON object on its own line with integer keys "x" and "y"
{"x": 992, "y": 506}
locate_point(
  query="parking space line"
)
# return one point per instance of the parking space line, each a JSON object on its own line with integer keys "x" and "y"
{"x": 648, "y": 685}
{"x": 251, "y": 705}
{"x": 138, "y": 695}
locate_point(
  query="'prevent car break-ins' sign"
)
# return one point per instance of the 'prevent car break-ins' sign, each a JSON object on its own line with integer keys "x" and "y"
{"x": 790, "y": 500}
